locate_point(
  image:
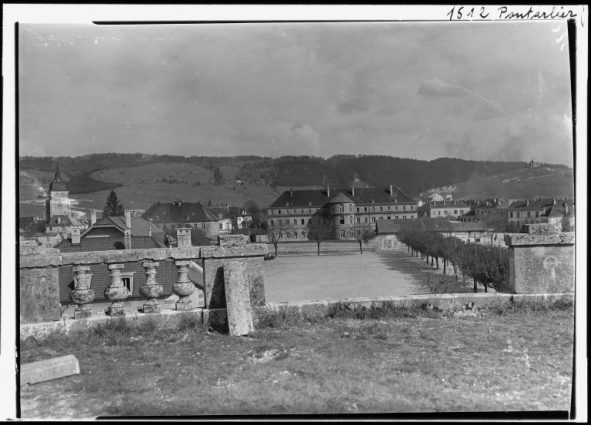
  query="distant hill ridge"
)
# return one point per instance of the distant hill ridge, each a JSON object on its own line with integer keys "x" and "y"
{"x": 411, "y": 175}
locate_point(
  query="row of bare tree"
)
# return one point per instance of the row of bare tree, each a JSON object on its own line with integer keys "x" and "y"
{"x": 486, "y": 265}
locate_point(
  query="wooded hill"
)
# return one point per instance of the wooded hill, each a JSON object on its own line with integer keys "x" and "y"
{"x": 411, "y": 175}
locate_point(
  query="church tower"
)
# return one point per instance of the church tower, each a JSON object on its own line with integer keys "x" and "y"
{"x": 58, "y": 200}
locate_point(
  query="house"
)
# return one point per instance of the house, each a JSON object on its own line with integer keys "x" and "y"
{"x": 243, "y": 217}
{"x": 468, "y": 232}
{"x": 540, "y": 210}
{"x": 224, "y": 218}
{"x": 255, "y": 234}
{"x": 437, "y": 209}
{"x": 169, "y": 216}
{"x": 344, "y": 209}
{"x": 115, "y": 233}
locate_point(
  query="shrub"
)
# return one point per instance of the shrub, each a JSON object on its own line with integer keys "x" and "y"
{"x": 437, "y": 284}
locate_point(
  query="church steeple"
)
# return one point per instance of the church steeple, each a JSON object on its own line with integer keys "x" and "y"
{"x": 58, "y": 176}
{"x": 58, "y": 185}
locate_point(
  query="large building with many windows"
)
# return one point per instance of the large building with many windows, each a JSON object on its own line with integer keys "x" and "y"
{"x": 343, "y": 209}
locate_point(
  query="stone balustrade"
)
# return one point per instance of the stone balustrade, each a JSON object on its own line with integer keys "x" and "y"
{"x": 39, "y": 277}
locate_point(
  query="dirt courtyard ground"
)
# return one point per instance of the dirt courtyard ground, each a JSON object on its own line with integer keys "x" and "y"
{"x": 343, "y": 275}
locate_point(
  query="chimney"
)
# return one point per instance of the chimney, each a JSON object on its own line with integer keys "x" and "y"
{"x": 59, "y": 220}
{"x": 527, "y": 203}
{"x": 183, "y": 237}
{"x": 391, "y": 191}
{"x": 127, "y": 239}
{"x": 128, "y": 218}
{"x": 565, "y": 208}
{"x": 291, "y": 192}
{"x": 554, "y": 201}
{"x": 150, "y": 228}
{"x": 75, "y": 236}
{"x": 92, "y": 217}
{"x": 352, "y": 190}
{"x": 328, "y": 190}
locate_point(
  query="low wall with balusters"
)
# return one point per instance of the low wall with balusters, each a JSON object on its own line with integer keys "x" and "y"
{"x": 39, "y": 278}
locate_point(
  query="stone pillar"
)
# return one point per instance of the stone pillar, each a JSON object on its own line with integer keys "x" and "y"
{"x": 183, "y": 287}
{"x": 39, "y": 283}
{"x": 151, "y": 289}
{"x": 541, "y": 261}
{"x": 82, "y": 295}
{"x": 237, "y": 289}
{"x": 183, "y": 237}
{"x": 116, "y": 292}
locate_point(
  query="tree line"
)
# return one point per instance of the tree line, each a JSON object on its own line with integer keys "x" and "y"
{"x": 485, "y": 265}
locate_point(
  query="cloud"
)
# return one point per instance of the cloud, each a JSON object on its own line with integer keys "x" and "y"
{"x": 439, "y": 88}
{"x": 353, "y": 106}
{"x": 305, "y": 139}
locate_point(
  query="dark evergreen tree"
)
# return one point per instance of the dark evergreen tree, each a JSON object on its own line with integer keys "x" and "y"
{"x": 113, "y": 207}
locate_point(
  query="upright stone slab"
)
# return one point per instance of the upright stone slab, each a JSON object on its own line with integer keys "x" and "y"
{"x": 39, "y": 283}
{"x": 542, "y": 261}
{"x": 238, "y": 305}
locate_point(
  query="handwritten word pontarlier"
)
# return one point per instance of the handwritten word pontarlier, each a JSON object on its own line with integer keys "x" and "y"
{"x": 505, "y": 12}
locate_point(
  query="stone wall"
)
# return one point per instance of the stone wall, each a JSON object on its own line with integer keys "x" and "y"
{"x": 541, "y": 261}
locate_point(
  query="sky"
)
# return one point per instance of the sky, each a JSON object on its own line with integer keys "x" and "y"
{"x": 471, "y": 90}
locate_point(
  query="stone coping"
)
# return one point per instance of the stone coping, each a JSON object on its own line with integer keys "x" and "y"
{"x": 525, "y": 239}
{"x": 55, "y": 259}
{"x": 439, "y": 301}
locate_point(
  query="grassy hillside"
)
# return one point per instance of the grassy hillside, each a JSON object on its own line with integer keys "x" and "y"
{"x": 146, "y": 179}
{"x": 547, "y": 182}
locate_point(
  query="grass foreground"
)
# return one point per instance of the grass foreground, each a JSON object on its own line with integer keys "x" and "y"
{"x": 515, "y": 358}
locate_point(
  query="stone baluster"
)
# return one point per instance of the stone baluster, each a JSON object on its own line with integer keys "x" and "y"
{"x": 116, "y": 292}
{"x": 183, "y": 287}
{"x": 82, "y": 295}
{"x": 151, "y": 289}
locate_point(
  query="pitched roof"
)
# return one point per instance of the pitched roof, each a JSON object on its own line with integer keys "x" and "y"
{"x": 533, "y": 204}
{"x": 220, "y": 213}
{"x": 64, "y": 221}
{"x": 559, "y": 209}
{"x": 178, "y": 212}
{"x": 319, "y": 197}
{"x": 108, "y": 244}
{"x": 388, "y": 226}
{"x": 139, "y": 226}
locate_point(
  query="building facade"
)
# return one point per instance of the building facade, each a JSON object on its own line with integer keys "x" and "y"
{"x": 438, "y": 209}
{"x": 343, "y": 209}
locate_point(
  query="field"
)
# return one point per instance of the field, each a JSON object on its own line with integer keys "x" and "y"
{"x": 347, "y": 275}
{"x": 505, "y": 359}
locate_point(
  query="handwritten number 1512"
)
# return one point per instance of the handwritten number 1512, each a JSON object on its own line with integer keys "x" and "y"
{"x": 463, "y": 12}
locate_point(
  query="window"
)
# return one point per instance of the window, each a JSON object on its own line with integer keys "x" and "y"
{"x": 438, "y": 212}
{"x": 456, "y": 212}
{"x": 279, "y": 212}
{"x": 342, "y": 233}
{"x": 350, "y": 208}
{"x": 373, "y": 209}
{"x": 404, "y": 207}
{"x": 295, "y": 221}
{"x": 396, "y": 207}
{"x": 304, "y": 235}
{"x": 373, "y": 219}
{"x": 388, "y": 207}
{"x": 511, "y": 214}
{"x": 380, "y": 208}
{"x": 272, "y": 222}
{"x": 341, "y": 208}
{"x": 220, "y": 226}
{"x": 287, "y": 204}
{"x": 303, "y": 221}
{"x": 342, "y": 220}
{"x": 357, "y": 209}
{"x": 366, "y": 219}
{"x": 381, "y": 218}
{"x": 203, "y": 225}
{"x": 364, "y": 209}
{"x": 351, "y": 220}
{"x": 396, "y": 217}
{"x": 127, "y": 279}
{"x": 358, "y": 220}
{"x": 528, "y": 214}
{"x": 389, "y": 217}
{"x": 404, "y": 217}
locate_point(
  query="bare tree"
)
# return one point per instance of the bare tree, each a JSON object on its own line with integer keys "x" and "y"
{"x": 319, "y": 229}
{"x": 276, "y": 229}
{"x": 362, "y": 232}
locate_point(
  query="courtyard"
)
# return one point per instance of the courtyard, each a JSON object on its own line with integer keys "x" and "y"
{"x": 333, "y": 276}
